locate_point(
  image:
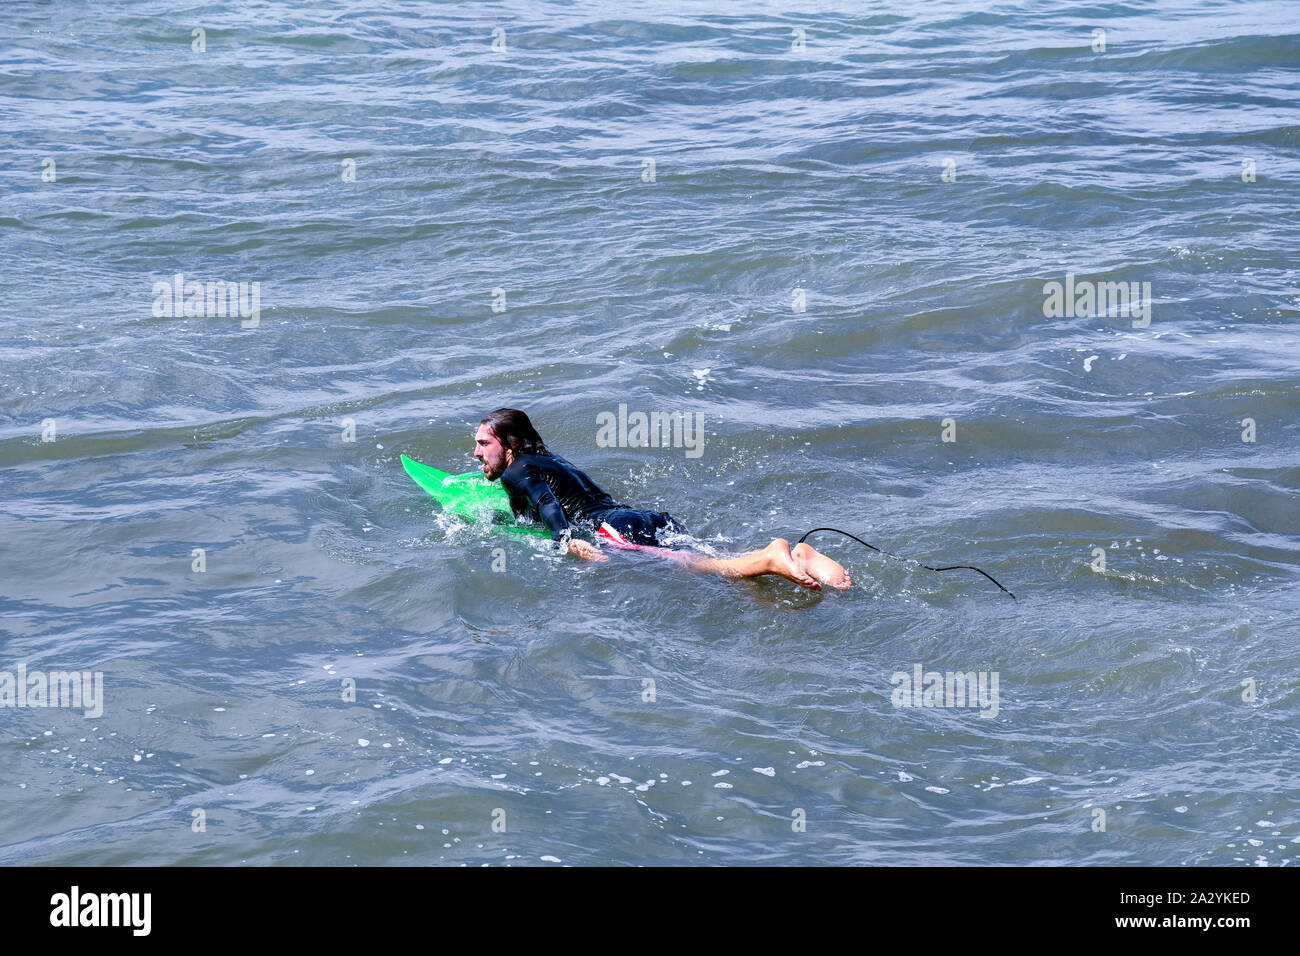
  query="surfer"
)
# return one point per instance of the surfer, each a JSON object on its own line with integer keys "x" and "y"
{"x": 543, "y": 485}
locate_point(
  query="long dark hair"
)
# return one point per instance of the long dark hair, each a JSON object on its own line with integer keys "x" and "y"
{"x": 515, "y": 431}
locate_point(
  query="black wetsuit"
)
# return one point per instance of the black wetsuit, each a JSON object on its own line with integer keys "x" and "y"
{"x": 549, "y": 488}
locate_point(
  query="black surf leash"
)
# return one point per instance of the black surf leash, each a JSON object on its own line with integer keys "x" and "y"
{"x": 953, "y": 567}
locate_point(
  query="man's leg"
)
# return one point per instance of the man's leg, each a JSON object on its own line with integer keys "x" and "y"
{"x": 804, "y": 566}
{"x": 824, "y": 569}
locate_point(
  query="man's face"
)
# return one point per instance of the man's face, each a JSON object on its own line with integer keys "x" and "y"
{"x": 489, "y": 450}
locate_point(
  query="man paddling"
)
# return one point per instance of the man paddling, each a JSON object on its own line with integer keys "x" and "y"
{"x": 543, "y": 485}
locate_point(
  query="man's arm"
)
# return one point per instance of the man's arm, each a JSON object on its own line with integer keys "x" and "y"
{"x": 585, "y": 550}
{"x": 529, "y": 483}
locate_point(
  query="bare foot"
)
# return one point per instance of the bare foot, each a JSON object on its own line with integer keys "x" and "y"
{"x": 781, "y": 561}
{"x": 824, "y": 569}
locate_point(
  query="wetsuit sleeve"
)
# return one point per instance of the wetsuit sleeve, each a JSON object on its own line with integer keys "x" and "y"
{"x": 530, "y": 484}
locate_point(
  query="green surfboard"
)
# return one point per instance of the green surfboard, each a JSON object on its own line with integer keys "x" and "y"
{"x": 470, "y": 496}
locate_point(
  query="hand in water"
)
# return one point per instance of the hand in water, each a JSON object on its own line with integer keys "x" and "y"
{"x": 586, "y": 550}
